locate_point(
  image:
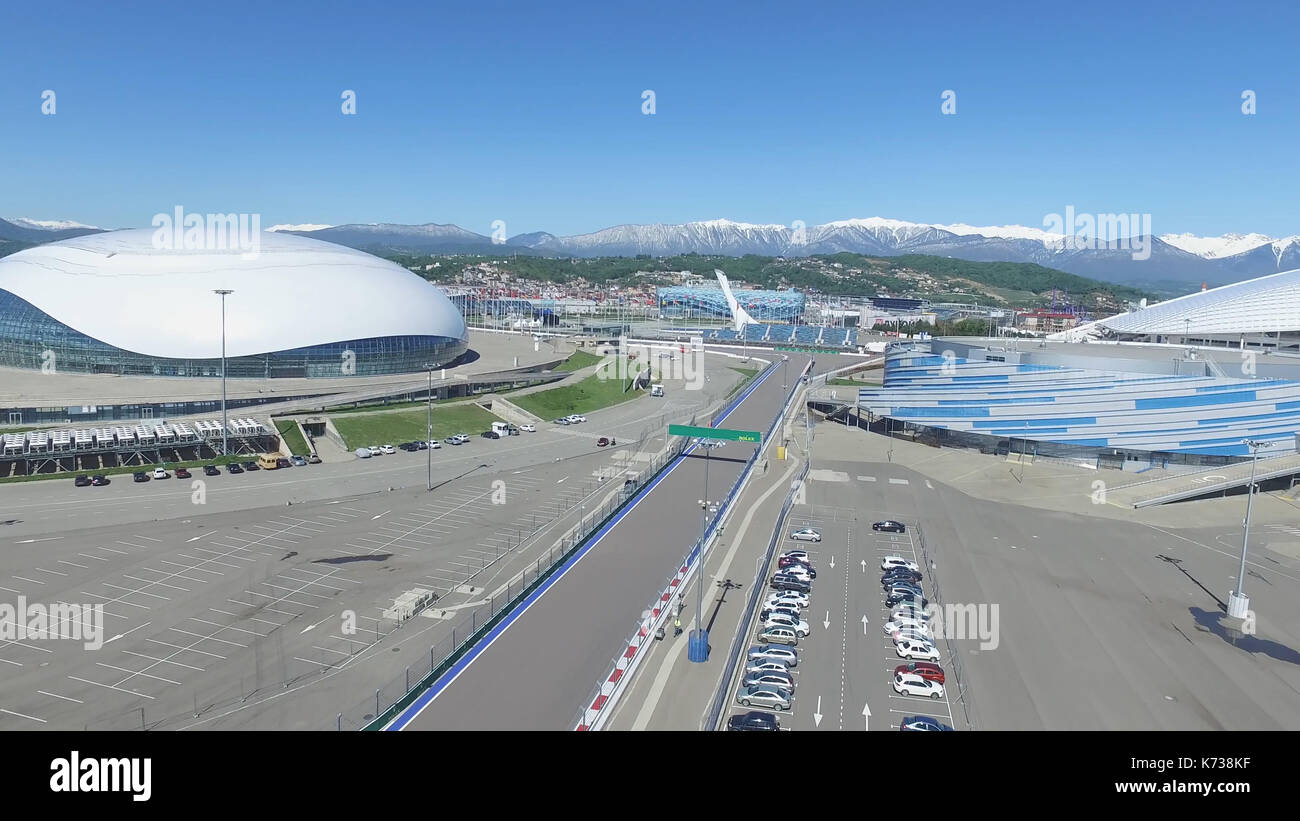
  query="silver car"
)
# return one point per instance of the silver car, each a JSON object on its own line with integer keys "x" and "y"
{"x": 765, "y": 666}
{"x": 764, "y": 695}
{"x": 783, "y": 680}
{"x": 783, "y": 654}
{"x": 779, "y": 635}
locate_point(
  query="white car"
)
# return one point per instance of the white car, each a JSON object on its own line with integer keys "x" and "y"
{"x": 899, "y": 561}
{"x": 909, "y": 612}
{"x": 387, "y": 449}
{"x": 789, "y": 598}
{"x": 159, "y": 473}
{"x": 806, "y": 535}
{"x": 799, "y": 626}
{"x": 912, "y": 634}
{"x": 374, "y": 450}
{"x": 434, "y": 444}
{"x": 528, "y": 428}
{"x": 910, "y": 684}
{"x": 797, "y": 555}
{"x": 916, "y": 650}
{"x": 798, "y": 571}
{"x": 788, "y": 657}
{"x": 765, "y": 666}
{"x": 905, "y": 623}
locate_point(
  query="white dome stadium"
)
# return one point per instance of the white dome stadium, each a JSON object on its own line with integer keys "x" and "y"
{"x": 114, "y": 303}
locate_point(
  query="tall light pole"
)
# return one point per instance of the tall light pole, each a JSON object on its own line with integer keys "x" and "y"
{"x": 223, "y": 293}
{"x": 698, "y": 647}
{"x": 428, "y": 430}
{"x": 1239, "y": 602}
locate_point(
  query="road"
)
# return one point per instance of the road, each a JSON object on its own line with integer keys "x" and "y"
{"x": 536, "y": 671}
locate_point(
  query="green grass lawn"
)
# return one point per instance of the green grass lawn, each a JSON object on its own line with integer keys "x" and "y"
{"x": 592, "y": 393}
{"x": 292, "y": 437}
{"x": 579, "y": 360}
{"x": 414, "y": 403}
{"x": 405, "y": 426}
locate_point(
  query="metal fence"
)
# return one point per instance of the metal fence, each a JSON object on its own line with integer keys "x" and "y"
{"x": 955, "y": 668}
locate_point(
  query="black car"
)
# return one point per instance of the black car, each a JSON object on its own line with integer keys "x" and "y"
{"x": 251, "y": 466}
{"x": 98, "y": 480}
{"x": 211, "y": 470}
{"x": 140, "y": 477}
{"x": 491, "y": 434}
{"x": 234, "y": 468}
{"x": 754, "y": 720}
{"x": 783, "y": 582}
{"x": 81, "y": 481}
{"x": 904, "y": 589}
{"x": 910, "y": 599}
{"x": 409, "y": 447}
{"x": 889, "y": 526}
{"x": 891, "y": 579}
{"x": 283, "y": 463}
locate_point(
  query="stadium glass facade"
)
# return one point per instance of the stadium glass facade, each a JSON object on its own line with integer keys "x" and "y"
{"x": 32, "y": 339}
{"x": 765, "y": 306}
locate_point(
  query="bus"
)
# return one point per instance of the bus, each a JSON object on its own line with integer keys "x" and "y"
{"x": 267, "y": 461}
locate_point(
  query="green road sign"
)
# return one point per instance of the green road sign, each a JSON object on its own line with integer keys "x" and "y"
{"x": 810, "y": 350}
{"x": 716, "y": 433}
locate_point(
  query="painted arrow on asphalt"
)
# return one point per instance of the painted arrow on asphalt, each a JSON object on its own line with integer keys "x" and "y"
{"x": 864, "y": 565}
{"x": 864, "y": 625}
{"x": 866, "y": 716}
{"x": 826, "y": 625}
{"x": 817, "y": 716}
{"x": 832, "y": 562}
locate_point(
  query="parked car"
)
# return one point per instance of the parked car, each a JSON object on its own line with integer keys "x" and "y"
{"x": 490, "y": 434}
{"x": 766, "y": 666}
{"x": 234, "y": 467}
{"x": 562, "y": 421}
{"x": 159, "y": 473}
{"x": 800, "y": 571}
{"x": 250, "y": 466}
{"x": 434, "y": 444}
{"x": 387, "y": 449}
{"x": 787, "y": 561}
{"x": 98, "y": 480}
{"x": 911, "y": 634}
{"x": 457, "y": 439}
{"x": 787, "y": 655}
{"x": 922, "y": 724}
{"x": 789, "y": 598}
{"x": 754, "y": 720}
{"x": 904, "y": 587}
{"x": 773, "y": 679}
{"x": 902, "y": 626}
{"x": 81, "y": 481}
{"x": 528, "y": 428}
{"x": 910, "y": 611}
{"x": 575, "y": 418}
{"x": 778, "y": 635}
{"x": 298, "y": 461}
{"x": 374, "y": 450}
{"x": 211, "y": 470}
{"x": 363, "y": 453}
{"x": 924, "y": 669}
{"x": 790, "y": 610}
{"x": 890, "y": 526}
{"x": 781, "y": 581}
{"x": 140, "y": 476}
{"x": 795, "y": 623}
{"x": 898, "y": 561}
{"x": 512, "y": 430}
{"x": 764, "y": 695}
{"x": 313, "y": 459}
{"x": 279, "y": 463}
{"x": 899, "y": 574}
{"x": 916, "y": 651}
{"x": 807, "y": 534}
{"x": 909, "y": 684}
{"x": 182, "y": 473}
{"x": 409, "y": 447}
{"x": 603, "y": 441}
{"x": 799, "y": 555}
{"x": 911, "y": 599}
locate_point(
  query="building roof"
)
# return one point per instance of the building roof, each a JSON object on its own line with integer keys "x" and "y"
{"x": 293, "y": 292}
{"x": 1266, "y": 304}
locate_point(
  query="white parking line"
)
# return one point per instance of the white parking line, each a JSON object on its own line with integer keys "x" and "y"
{"x": 56, "y": 695}
{"x": 20, "y": 715}
{"x": 111, "y": 687}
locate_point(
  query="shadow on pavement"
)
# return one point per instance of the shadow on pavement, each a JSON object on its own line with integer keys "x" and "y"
{"x": 1208, "y": 621}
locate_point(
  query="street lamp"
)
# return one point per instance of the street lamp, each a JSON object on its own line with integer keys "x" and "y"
{"x": 698, "y": 647}
{"x": 428, "y": 430}
{"x": 1238, "y": 602}
{"x": 223, "y": 293}
{"x": 785, "y": 370}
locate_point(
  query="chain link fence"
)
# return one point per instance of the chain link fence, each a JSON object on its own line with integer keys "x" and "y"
{"x": 955, "y": 667}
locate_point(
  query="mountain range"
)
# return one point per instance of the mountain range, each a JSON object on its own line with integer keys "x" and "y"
{"x": 1177, "y": 260}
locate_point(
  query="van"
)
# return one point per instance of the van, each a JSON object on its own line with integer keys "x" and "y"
{"x": 501, "y": 428}
{"x": 268, "y": 461}
{"x": 656, "y": 390}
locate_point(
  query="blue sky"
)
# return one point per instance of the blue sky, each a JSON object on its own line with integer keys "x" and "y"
{"x": 766, "y": 112}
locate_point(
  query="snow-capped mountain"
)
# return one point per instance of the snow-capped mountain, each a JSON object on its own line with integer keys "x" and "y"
{"x": 430, "y": 238}
{"x": 1216, "y": 247}
{"x": 21, "y": 229}
{"x": 304, "y": 227}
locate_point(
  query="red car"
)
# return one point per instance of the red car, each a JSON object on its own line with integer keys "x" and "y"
{"x": 182, "y": 473}
{"x": 603, "y": 441}
{"x": 786, "y": 561}
{"x": 924, "y": 669}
